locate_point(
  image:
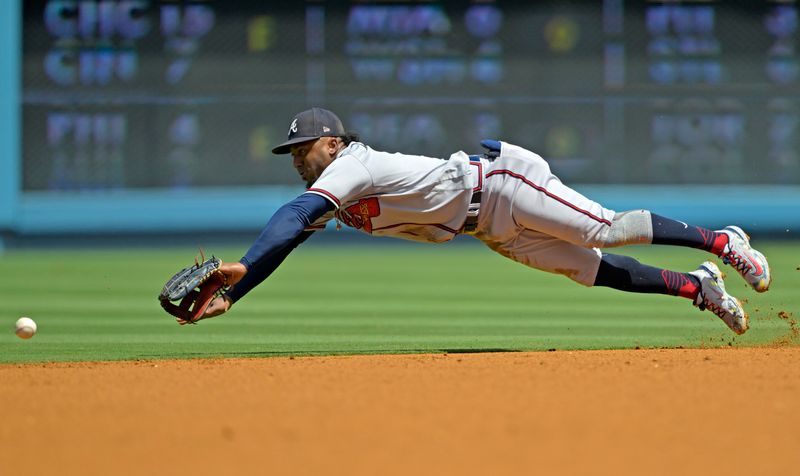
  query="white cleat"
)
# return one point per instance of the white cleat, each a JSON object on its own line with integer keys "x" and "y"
{"x": 713, "y": 297}
{"x": 750, "y": 263}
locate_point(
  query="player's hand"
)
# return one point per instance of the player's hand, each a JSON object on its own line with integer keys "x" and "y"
{"x": 218, "y": 306}
{"x": 234, "y": 272}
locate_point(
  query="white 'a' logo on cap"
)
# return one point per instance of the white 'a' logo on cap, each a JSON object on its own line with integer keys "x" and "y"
{"x": 293, "y": 127}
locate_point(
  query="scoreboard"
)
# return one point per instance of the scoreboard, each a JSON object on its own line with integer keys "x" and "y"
{"x": 145, "y": 94}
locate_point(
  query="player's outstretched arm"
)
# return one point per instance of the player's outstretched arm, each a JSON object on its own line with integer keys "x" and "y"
{"x": 283, "y": 233}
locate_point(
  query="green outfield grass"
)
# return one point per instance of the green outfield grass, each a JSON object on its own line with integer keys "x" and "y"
{"x": 382, "y": 298}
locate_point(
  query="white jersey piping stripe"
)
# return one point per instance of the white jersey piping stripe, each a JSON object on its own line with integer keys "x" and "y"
{"x": 327, "y": 194}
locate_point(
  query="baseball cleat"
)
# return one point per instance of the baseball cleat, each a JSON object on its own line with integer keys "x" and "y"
{"x": 713, "y": 297}
{"x": 750, "y": 263}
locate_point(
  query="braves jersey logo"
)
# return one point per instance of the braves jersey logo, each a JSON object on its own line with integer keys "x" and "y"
{"x": 359, "y": 215}
{"x": 293, "y": 128}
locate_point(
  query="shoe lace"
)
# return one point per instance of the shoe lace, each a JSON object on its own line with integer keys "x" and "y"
{"x": 707, "y": 304}
{"x": 713, "y": 307}
{"x": 739, "y": 262}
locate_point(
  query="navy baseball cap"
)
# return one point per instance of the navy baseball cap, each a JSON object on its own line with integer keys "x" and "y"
{"x": 309, "y": 125}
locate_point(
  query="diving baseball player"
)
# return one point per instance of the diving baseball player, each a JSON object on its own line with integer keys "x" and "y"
{"x": 508, "y": 198}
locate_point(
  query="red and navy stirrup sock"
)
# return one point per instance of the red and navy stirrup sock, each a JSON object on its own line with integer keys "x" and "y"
{"x": 627, "y": 274}
{"x": 667, "y": 231}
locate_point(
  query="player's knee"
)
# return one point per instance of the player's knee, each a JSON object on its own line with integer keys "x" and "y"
{"x": 633, "y": 227}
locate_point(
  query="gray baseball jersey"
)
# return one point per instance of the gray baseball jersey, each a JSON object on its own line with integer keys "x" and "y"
{"x": 406, "y": 196}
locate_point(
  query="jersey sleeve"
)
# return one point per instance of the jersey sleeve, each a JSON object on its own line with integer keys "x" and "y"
{"x": 283, "y": 233}
{"x": 254, "y": 277}
{"x": 345, "y": 179}
{"x": 289, "y": 221}
{"x": 321, "y": 222}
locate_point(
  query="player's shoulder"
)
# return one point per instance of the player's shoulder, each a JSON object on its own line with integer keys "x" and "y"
{"x": 359, "y": 150}
{"x": 355, "y": 154}
{"x": 351, "y": 161}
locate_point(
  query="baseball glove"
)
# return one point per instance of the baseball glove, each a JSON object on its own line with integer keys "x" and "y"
{"x": 195, "y": 287}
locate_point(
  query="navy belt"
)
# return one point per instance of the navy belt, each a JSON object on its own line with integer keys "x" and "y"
{"x": 471, "y": 222}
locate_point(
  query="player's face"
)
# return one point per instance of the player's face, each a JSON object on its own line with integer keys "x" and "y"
{"x": 311, "y": 158}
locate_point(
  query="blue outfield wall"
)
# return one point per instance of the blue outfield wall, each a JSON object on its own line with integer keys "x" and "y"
{"x": 10, "y": 50}
{"x": 209, "y": 210}
{"x": 758, "y": 209}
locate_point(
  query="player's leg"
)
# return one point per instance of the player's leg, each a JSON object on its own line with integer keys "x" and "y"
{"x": 731, "y": 243}
{"x": 703, "y": 286}
{"x": 539, "y": 201}
{"x": 523, "y": 190}
{"x": 590, "y": 267}
{"x": 546, "y": 253}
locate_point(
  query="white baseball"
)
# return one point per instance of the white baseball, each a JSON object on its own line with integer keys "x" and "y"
{"x": 26, "y": 327}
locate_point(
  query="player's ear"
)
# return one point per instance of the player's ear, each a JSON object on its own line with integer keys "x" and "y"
{"x": 333, "y": 145}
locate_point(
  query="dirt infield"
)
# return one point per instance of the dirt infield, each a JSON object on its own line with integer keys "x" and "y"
{"x": 709, "y": 411}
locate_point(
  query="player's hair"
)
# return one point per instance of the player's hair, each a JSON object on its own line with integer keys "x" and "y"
{"x": 350, "y": 137}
